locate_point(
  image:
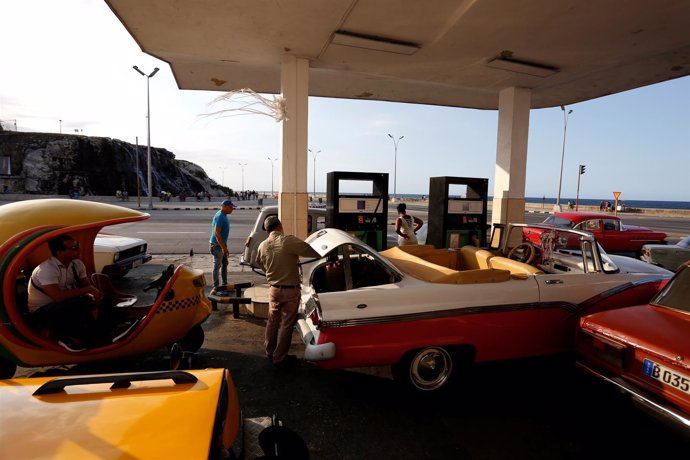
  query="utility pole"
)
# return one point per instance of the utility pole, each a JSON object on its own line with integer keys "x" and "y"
{"x": 395, "y": 166}
{"x": 581, "y": 171}
{"x": 148, "y": 129}
{"x": 314, "y": 155}
{"x": 557, "y": 208}
{"x": 136, "y": 155}
{"x": 272, "y": 160}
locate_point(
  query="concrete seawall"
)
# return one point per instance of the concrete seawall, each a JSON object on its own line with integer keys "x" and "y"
{"x": 192, "y": 203}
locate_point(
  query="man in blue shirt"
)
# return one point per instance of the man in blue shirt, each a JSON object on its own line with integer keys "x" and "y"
{"x": 220, "y": 231}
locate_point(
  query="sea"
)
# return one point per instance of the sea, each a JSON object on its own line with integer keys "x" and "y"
{"x": 649, "y": 204}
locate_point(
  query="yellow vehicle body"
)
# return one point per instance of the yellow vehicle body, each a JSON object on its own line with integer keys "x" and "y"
{"x": 26, "y": 228}
{"x": 152, "y": 415}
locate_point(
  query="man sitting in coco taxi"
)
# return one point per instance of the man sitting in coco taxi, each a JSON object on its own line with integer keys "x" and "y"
{"x": 62, "y": 298}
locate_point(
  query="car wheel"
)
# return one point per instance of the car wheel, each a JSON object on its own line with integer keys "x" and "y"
{"x": 427, "y": 369}
{"x": 176, "y": 355}
{"x": 193, "y": 340}
{"x": 7, "y": 368}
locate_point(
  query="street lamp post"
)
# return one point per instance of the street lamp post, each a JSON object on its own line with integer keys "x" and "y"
{"x": 136, "y": 156}
{"x": 395, "y": 165}
{"x": 148, "y": 129}
{"x": 242, "y": 165}
{"x": 314, "y": 155}
{"x": 557, "y": 208}
{"x": 272, "y": 160}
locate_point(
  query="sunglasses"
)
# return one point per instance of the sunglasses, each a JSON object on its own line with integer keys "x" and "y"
{"x": 73, "y": 248}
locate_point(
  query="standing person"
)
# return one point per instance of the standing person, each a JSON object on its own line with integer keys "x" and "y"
{"x": 61, "y": 295}
{"x": 278, "y": 257}
{"x": 404, "y": 224}
{"x": 220, "y": 231}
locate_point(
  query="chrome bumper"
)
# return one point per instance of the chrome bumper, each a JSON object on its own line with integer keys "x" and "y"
{"x": 309, "y": 335}
{"x": 669, "y": 413}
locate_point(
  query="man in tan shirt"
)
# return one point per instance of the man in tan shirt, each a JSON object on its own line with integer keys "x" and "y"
{"x": 278, "y": 256}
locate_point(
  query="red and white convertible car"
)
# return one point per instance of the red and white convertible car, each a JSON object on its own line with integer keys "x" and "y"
{"x": 431, "y": 312}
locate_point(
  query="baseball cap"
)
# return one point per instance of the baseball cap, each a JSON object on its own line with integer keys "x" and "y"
{"x": 228, "y": 203}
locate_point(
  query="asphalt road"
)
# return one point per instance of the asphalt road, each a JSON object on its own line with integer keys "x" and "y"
{"x": 179, "y": 231}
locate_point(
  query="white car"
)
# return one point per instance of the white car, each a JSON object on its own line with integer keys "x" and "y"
{"x": 669, "y": 256}
{"x": 116, "y": 255}
{"x": 316, "y": 220}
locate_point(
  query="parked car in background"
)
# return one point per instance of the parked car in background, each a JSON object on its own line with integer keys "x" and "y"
{"x": 669, "y": 256}
{"x": 432, "y": 312}
{"x": 316, "y": 220}
{"x": 609, "y": 230}
{"x": 116, "y": 255}
{"x": 166, "y": 414}
{"x": 644, "y": 350}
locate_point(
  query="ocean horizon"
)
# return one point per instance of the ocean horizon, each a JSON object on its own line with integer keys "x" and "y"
{"x": 642, "y": 204}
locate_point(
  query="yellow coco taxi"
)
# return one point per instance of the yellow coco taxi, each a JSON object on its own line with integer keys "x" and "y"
{"x": 149, "y": 415}
{"x": 174, "y": 317}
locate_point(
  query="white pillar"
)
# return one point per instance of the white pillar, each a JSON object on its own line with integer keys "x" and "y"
{"x": 292, "y": 197}
{"x": 511, "y": 155}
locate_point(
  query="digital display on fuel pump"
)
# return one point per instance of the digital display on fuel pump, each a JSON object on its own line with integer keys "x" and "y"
{"x": 359, "y": 205}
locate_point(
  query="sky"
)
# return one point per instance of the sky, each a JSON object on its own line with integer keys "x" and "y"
{"x": 67, "y": 66}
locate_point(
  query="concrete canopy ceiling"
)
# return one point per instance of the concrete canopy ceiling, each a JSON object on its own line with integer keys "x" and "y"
{"x": 439, "y": 52}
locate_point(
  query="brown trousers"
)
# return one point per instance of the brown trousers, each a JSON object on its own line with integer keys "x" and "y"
{"x": 283, "y": 304}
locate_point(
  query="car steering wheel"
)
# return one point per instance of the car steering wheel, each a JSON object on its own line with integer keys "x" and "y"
{"x": 524, "y": 252}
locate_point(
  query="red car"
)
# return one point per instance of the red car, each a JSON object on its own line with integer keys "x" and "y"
{"x": 609, "y": 230}
{"x": 645, "y": 350}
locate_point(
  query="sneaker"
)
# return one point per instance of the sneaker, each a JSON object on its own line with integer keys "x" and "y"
{"x": 123, "y": 329}
{"x": 70, "y": 345}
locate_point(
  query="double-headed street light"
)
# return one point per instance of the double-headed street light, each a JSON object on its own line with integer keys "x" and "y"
{"x": 314, "y": 155}
{"x": 272, "y": 160}
{"x": 395, "y": 165}
{"x": 148, "y": 129}
{"x": 242, "y": 165}
{"x": 560, "y": 180}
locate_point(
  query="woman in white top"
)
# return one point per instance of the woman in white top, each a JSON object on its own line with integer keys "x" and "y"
{"x": 406, "y": 226}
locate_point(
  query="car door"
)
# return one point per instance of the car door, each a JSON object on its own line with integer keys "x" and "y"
{"x": 615, "y": 238}
{"x": 564, "y": 293}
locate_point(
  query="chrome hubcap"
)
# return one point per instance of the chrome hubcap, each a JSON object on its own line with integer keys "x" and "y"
{"x": 430, "y": 368}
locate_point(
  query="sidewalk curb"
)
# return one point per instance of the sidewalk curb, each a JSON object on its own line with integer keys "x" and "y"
{"x": 205, "y": 208}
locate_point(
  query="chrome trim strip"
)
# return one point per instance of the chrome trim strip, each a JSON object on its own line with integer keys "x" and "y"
{"x": 667, "y": 412}
{"x": 569, "y": 307}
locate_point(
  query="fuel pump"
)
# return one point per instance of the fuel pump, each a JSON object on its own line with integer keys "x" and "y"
{"x": 357, "y": 202}
{"x": 457, "y": 211}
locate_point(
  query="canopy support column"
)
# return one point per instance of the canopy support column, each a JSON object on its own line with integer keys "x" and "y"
{"x": 293, "y": 198}
{"x": 511, "y": 156}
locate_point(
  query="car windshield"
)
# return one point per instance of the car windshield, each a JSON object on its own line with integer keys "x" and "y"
{"x": 561, "y": 251}
{"x": 559, "y": 222}
{"x": 676, "y": 294}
